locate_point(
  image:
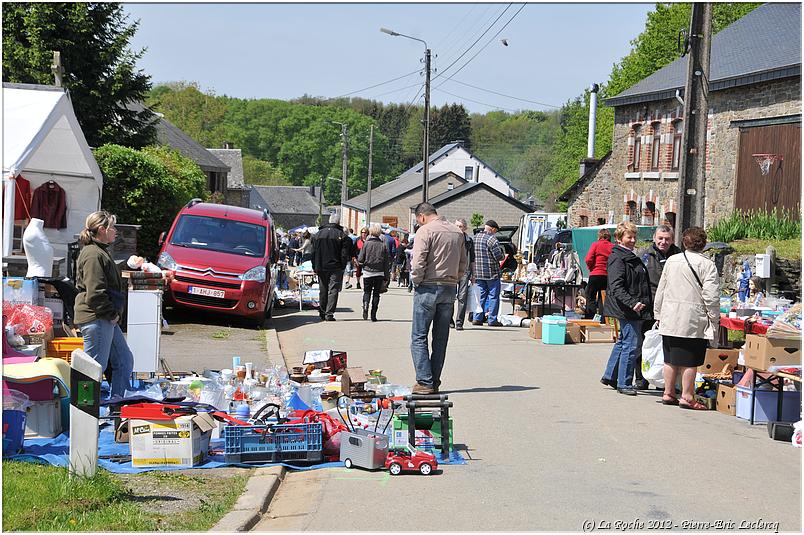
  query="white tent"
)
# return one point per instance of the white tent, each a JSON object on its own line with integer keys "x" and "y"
{"x": 43, "y": 141}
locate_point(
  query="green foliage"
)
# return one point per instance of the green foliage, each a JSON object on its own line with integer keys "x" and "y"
{"x": 476, "y": 220}
{"x": 262, "y": 173}
{"x": 99, "y": 69}
{"x": 147, "y": 188}
{"x": 789, "y": 249}
{"x": 775, "y": 225}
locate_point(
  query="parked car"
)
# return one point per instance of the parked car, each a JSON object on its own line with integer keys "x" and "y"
{"x": 546, "y": 244}
{"x": 505, "y": 236}
{"x": 223, "y": 259}
{"x": 410, "y": 460}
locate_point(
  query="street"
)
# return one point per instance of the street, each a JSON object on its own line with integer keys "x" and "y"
{"x": 548, "y": 447}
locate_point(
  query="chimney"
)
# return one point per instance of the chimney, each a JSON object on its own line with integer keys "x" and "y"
{"x": 228, "y": 145}
{"x": 312, "y": 191}
{"x": 589, "y": 162}
{"x": 450, "y": 186}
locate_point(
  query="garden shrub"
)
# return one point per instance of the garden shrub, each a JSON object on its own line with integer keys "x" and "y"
{"x": 774, "y": 225}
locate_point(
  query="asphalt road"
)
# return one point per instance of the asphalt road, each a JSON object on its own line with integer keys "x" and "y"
{"x": 548, "y": 447}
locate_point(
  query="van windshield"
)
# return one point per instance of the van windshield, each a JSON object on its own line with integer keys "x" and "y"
{"x": 220, "y": 235}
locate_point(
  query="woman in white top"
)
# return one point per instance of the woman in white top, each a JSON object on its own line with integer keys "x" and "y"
{"x": 687, "y": 307}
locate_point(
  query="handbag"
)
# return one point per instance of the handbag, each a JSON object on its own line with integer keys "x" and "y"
{"x": 384, "y": 286}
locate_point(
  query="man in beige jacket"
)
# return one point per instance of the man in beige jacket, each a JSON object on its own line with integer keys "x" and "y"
{"x": 439, "y": 262}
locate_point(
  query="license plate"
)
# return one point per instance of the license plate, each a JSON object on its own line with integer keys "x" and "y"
{"x": 209, "y": 292}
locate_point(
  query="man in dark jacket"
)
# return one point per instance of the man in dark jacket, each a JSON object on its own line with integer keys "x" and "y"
{"x": 654, "y": 258}
{"x": 463, "y": 284}
{"x": 332, "y": 249}
{"x": 628, "y": 299}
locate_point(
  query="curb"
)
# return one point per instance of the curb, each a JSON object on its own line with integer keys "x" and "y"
{"x": 255, "y": 500}
{"x": 263, "y": 484}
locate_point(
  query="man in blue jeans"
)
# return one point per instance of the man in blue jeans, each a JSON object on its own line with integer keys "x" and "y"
{"x": 488, "y": 254}
{"x": 439, "y": 261}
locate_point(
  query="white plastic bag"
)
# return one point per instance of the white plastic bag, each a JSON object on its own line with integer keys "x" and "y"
{"x": 474, "y": 300}
{"x": 653, "y": 357}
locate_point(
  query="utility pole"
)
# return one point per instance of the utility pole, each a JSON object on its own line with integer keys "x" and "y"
{"x": 320, "y": 200}
{"x": 692, "y": 184}
{"x": 368, "y": 189}
{"x": 344, "y": 192}
{"x": 57, "y": 69}
{"x": 426, "y": 170}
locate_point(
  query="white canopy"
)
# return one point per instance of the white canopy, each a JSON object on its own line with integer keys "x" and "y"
{"x": 43, "y": 141}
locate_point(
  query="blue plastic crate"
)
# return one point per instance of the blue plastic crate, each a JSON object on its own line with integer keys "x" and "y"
{"x": 13, "y": 431}
{"x": 273, "y": 443}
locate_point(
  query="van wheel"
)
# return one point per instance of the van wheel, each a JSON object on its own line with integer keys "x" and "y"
{"x": 347, "y": 463}
{"x": 259, "y": 320}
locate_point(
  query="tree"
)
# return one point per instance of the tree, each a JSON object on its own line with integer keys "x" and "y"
{"x": 476, "y": 220}
{"x": 99, "y": 69}
{"x": 262, "y": 173}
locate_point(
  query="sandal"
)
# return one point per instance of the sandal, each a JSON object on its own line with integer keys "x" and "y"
{"x": 669, "y": 400}
{"x": 695, "y": 406}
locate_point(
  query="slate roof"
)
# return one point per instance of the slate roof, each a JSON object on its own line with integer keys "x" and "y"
{"x": 763, "y": 45}
{"x": 469, "y": 187}
{"x": 584, "y": 180}
{"x": 234, "y": 159}
{"x": 444, "y": 151}
{"x": 286, "y": 199}
{"x": 406, "y": 183}
{"x": 169, "y": 134}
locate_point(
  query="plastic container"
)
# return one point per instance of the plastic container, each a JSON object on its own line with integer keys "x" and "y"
{"x": 765, "y": 408}
{"x": 15, "y": 404}
{"x": 43, "y": 419}
{"x": 62, "y": 348}
{"x": 262, "y": 443}
{"x": 554, "y": 329}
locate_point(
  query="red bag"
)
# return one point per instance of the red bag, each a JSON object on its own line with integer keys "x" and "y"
{"x": 330, "y": 439}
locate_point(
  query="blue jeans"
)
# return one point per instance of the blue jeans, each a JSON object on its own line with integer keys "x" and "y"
{"x": 432, "y": 304}
{"x": 104, "y": 342}
{"x": 489, "y": 299}
{"x": 623, "y": 354}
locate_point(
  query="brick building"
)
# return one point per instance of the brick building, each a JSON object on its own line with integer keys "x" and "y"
{"x": 754, "y": 107}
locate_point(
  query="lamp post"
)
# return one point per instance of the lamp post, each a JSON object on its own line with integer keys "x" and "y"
{"x": 426, "y": 143}
{"x": 344, "y": 193}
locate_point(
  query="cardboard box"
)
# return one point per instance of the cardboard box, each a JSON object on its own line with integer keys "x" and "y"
{"x": 709, "y": 403}
{"x": 56, "y": 306}
{"x": 603, "y": 334}
{"x": 715, "y": 359}
{"x": 573, "y": 334}
{"x": 521, "y": 313}
{"x": 181, "y": 442}
{"x": 535, "y": 329}
{"x": 20, "y": 290}
{"x": 761, "y": 353}
{"x": 726, "y": 399}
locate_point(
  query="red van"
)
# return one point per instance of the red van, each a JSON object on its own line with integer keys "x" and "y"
{"x": 223, "y": 259}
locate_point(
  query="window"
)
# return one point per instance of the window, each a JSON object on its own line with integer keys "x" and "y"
{"x": 631, "y": 211}
{"x": 468, "y": 173}
{"x": 637, "y": 149}
{"x": 674, "y": 165}
{"x": 655, "y": 148}
{"x": 354, "y": 441}
{"x": 601, "y": 220}
{"x": 584, "y": 221}
{"x": 650, "y": 213}
{"x": 670, "y": 217}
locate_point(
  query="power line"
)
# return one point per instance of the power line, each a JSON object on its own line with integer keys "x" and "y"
{"x": 457, "y": 25}
{"x": 396, "y": 90}
{"x": 477, "y": 101}
{"x": 484, "y": 46}
{"x": 459, "y": 43}
{"x": 502, "y": 94}
{"x": 476, "y": 41}
{"x": 373, "y": 86}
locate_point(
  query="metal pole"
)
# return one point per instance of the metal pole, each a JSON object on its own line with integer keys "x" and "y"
{"x": 426, "y": 170}
{"x": 344, "y": 192}
{"x": 320, "y": 200}
{"x": 590, "y": 141}
{"x": 10, "y": 184}
{"x": 692, "y": 184}
{"x": 368, "y": 189}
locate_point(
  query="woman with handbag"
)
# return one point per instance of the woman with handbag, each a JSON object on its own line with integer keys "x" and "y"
{"x": 375, "y": 261}
{"x": 101, "y": 300}
{"x": 688, "y": 311}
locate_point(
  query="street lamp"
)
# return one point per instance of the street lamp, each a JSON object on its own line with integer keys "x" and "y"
{"x": 344, "y": 193}
{"x": 426, "y": 170}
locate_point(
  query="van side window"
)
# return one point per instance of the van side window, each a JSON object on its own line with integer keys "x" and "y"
{"x": 354, "y": 441}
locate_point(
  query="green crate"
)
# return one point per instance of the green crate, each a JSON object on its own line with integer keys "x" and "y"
{"x": 428, "y": 431}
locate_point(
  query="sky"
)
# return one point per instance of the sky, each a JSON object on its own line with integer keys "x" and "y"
{"x": 283, "y": 51}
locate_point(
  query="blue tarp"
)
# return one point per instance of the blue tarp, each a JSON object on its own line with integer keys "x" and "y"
{"x": 56, "y": 451}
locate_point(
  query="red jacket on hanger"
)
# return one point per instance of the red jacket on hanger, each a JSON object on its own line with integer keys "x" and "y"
{"x": 50, "y": 205}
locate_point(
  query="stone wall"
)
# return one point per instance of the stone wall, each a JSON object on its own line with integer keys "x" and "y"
{"x": 483, "y": 202}
{"x": 400, "y": 206}
{"x": 621, "y": 180}
{"x": 787, "y": 274}
{"x": 238, "y": 197}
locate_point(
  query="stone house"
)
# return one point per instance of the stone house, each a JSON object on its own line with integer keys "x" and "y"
{"x": 478, "y": 197}
{"x": 390, "y": 203}
{"x": 289, "y": 206}
{"x": 754, "y": 108}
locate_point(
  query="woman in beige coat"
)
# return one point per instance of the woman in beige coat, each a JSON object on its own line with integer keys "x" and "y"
{"x": 687, "y": 307}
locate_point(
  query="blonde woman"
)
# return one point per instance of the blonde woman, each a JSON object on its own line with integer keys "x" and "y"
{"x": 628, "y": 299}
{"x": 375, "y": 261}
{"x": 100, "y": 302}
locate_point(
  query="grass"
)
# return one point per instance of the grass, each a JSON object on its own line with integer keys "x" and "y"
{"x": 774, "y": 225}
{"x": 789, "y": 249}
{"x": 223, "y": 334}
{"x": 43, "y": 498}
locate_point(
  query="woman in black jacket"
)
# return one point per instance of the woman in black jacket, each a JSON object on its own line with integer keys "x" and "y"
{"x": 628, "y": 298}
{"x": 375, "y": 261}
